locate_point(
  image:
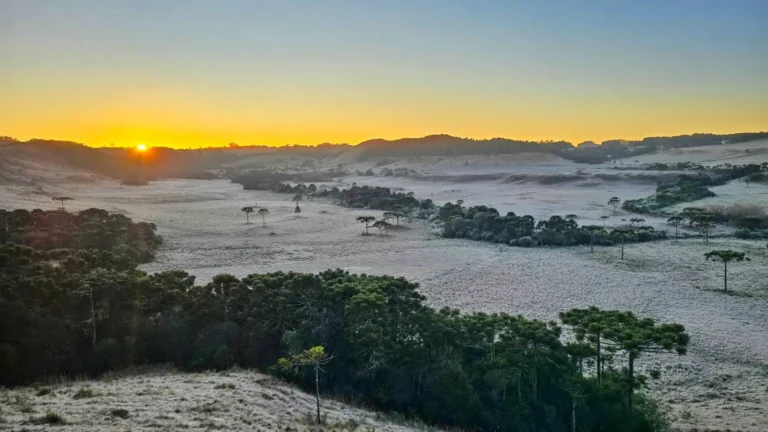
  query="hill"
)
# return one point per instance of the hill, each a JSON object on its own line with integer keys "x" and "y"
{"x": 167, "y": 400}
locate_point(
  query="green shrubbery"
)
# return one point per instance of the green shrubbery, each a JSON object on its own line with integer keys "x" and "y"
{"x": 485, "y": 224}
{"x": 375, "y": 198}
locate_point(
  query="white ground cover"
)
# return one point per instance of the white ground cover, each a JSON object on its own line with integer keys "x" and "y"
{"x": 722, "y": 382}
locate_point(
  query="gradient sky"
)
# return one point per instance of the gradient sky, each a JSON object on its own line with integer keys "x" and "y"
{"x": 199, "y": 73}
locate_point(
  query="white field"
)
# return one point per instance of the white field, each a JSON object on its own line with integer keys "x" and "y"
{"x": 721, "y": 384}
{"x": 737, "y": 154}
{"x": 170, "y": 401}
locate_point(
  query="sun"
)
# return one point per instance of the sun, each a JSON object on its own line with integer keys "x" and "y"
{"x": 141, "y": 147}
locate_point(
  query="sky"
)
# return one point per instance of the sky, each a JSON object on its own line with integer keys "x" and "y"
{"x": 191, "y": 73}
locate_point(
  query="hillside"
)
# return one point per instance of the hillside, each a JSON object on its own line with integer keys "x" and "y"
{"x": 751, "y": 152}
{"x": 167, "y": 400}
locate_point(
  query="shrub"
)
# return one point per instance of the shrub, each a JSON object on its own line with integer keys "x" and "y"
{"x": 44, "y": 392}
{"x": 50, "y": 418}
{"x": 83, "y": 393}
{"x": 120, "y": 413}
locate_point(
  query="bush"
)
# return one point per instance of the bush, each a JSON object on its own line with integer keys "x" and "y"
{"x": 83, "y": 393}
{"x": 50, "y": 418}
{"x": 120, "y": 413}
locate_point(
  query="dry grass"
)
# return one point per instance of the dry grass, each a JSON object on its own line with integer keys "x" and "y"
{"x": 195, "y": 402}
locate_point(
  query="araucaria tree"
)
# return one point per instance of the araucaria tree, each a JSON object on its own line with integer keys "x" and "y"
{"x": 604, "y": 218}
{"x": 725, "y": 256}
{"x": 383, "y": 226}
{"x": 314, "y": 357}
{"x": 61, "y": 200}
{"x": 296, "y": 198}
{"x": 367, "y": 221}
{"x": 599, "y": 331}
{"x": 614, "y": 202}
{"x": 263, "y": 212}
{"x": 247, "y": 211}
{"x": 676, "y": 221}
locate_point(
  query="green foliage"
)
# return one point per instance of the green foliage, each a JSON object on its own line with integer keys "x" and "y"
{"x": 484, "y": 223}
{"x": 375, "y": 198}
{"x": 87, "y": 312}
{"x": 120, "y": 413}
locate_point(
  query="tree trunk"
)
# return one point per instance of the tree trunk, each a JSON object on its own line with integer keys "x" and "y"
{"x": 622, "y": 247}
{"x": 93, "y": 316}
{"x": 573, "y": 414}
{"x": 599, "y": 362}
{"x": 592, "y": 243}
{"x": 317, "y": 391}
{"x": 247, "y": 218}
{"x": 725, "y": 276}
{"x": 676, "y": 225}
{"x": 263, "y": 221}
{"x": 631, "y": 380}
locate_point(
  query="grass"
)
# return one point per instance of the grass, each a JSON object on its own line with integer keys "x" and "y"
{"x": 24, "y": 404}
{"x": 225, "y": 386}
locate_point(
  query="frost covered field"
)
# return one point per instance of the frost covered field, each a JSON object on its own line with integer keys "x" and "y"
{"x": 721, "y": 384}
{"x": 169, "y": 401}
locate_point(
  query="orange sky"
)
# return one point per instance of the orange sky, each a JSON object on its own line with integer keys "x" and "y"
{"x": 198, "y": 75}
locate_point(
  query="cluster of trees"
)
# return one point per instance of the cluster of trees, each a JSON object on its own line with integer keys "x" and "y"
{"x": 685, "y": 189}
{"x": 267, "y": 180}
{"x": 486, "y": 224}
{"x": 88, "y": 229}
{"x": 376, "y": 198}
{"x": 299, "y": 188}
{"x": 86, "y": 312}
{"x": 694, "y": 187}
{"x": 388, "y": 221}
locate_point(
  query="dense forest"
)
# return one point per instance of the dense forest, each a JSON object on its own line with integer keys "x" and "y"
{"x": 87, "y": 311}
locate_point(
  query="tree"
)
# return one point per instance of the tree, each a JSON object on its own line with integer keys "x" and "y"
{"x": 704, "y": 222}
{"x": 61, "y": 200}
{"x": 247, "y": 211}
{"x": 383, "y": 226}
{"x": 614, "y": 202}
{"x": 571, "y": 217}
{"x": 315, "y": 358}
{"x": 676, "y": 221}
{"x": 263, "y": 212}
{"x": 366, "y": 220}
{"x": 297, "y": 209}
{"x": 725, "y": 256}
{"x": 637, "y": 336}
{"x": 604, "y": 218}
{"x": 296, "y": 198}
{"x": 636, "y": 220}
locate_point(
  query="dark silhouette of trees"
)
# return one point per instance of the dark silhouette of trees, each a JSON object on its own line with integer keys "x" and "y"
{"x": 725, "y": 256}
{"x": 297, "y": 209}
{"x": 296, "y": 198}
{"x": 604, "y": 218}
{"x": 366, "y": 220}
{"x": 383, "y": 226}
{"x": 247, "y": 211}
{"x": 263, "y": 212}
{"x": 62, "y": 200}
{"x": 676, "y": 221}
{"x": 614, "y": 202}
